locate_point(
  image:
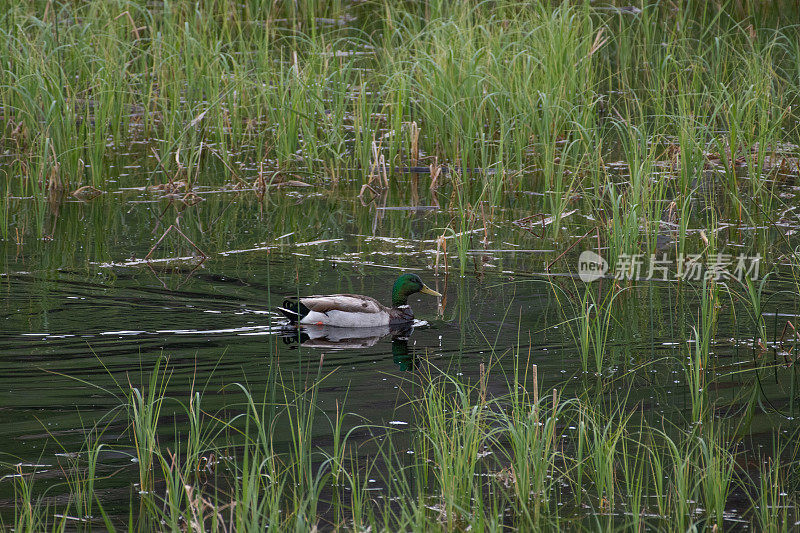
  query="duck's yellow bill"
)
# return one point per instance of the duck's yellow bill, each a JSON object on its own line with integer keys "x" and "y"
{"x": 428, "y": 290}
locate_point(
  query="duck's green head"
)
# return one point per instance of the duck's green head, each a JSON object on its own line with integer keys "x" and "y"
{"x": 405, "y": 286}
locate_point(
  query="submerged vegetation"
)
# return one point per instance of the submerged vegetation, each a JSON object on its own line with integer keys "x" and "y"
{"x": 663, "y": 130}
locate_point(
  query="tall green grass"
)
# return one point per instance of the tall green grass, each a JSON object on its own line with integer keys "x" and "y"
{"x": 490, "y": 86}
{"x": 479, "y": 460}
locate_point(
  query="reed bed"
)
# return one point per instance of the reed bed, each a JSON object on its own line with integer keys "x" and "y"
{"x": 523, "y": 459}
{"x": 525, "y": 96}
{"x": 617, "y": 111}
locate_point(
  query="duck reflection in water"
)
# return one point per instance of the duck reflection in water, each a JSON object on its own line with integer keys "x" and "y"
{"x": 337, "y": 338}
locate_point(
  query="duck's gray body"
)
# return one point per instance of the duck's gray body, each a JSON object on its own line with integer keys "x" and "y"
{"x": 345, "y": 311}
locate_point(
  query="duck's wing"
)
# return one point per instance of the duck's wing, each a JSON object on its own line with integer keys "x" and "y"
{"x": 347, "y": 303}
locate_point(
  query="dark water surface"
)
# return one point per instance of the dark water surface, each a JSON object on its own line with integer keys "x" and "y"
{"x": 83, "y": 315}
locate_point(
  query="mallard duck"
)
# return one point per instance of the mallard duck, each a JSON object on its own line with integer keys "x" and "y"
{"x": 354, "y": 310}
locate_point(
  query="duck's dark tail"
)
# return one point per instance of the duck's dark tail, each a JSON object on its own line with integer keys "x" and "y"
{"x": 294, "y": 310}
